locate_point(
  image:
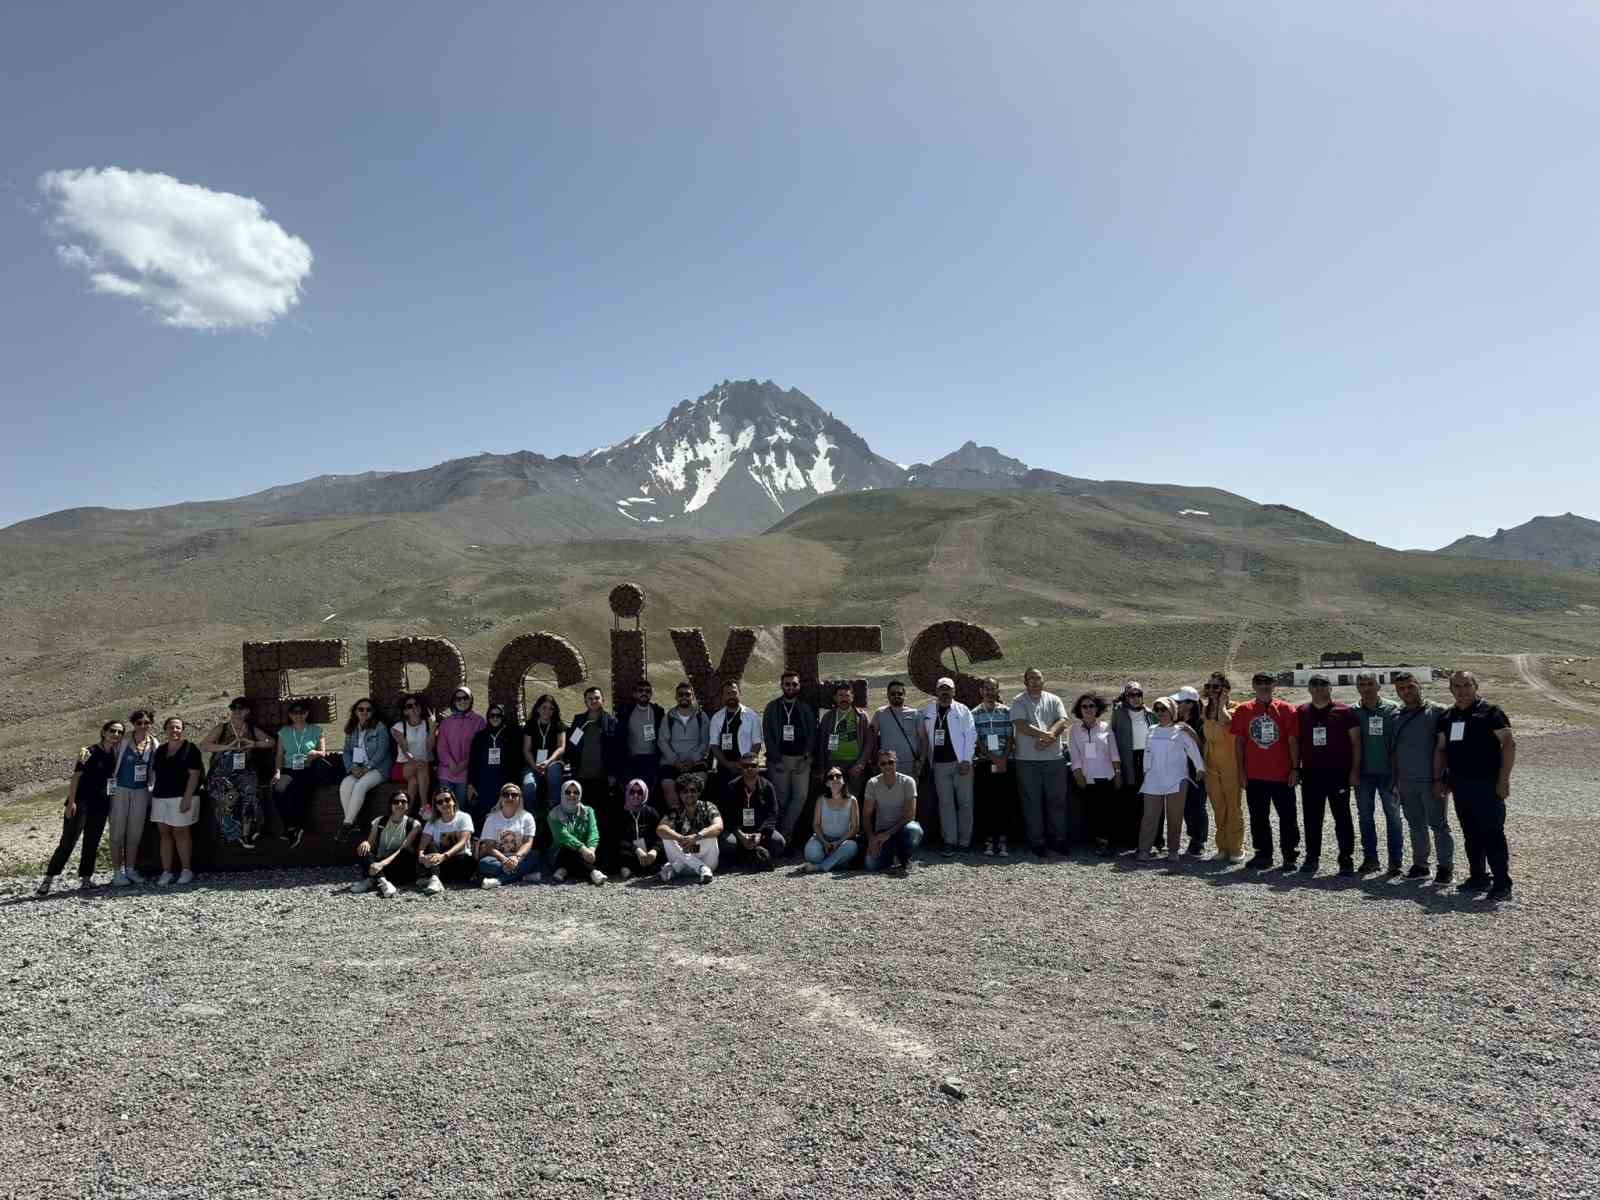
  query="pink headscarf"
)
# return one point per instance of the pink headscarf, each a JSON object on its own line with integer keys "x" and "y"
{"x": 628, "y": 803}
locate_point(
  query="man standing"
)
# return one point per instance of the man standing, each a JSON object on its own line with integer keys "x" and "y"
{"x": 1416, "y": 735}
{"x": 750, "y": 811}
{"x": 788, "y": 728}
{"x": 453, "y": 744}
{"x": 1130, "y": 725}
{"x": 1475, "y": 754}
{"x": 949, "y": 738}
{"x": 735, "y": 732}
{"x": 898, "y": 728}
{"x": 1040, "y": 719}
{"x": 683, "y": 742}
{"x": 890, "y": 816}
{"x": 1330, "y": 747}
{"x": 1268, "y": 733}
{"x": 842, "y": 739}
{"x": 595, "y": 753}
{"x": 1376, "y": 779}
{"x": 994, "y": 785}
{"x": 640, "y": 721}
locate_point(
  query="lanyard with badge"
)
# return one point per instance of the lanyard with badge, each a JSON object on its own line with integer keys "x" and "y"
{"x": 788, "y": 722}
{"x": 729, "y": 729}
{"x": 494, "y": 750}
{"x": 941, "y": 726}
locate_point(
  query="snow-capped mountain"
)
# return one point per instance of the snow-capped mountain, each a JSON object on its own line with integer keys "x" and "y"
{"x": 738, "y": 459}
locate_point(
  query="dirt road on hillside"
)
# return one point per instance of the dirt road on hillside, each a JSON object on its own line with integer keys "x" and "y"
{"x": 1527, "y": 667}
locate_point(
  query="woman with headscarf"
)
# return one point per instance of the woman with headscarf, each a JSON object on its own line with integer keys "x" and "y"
{"x": 232, "y": 782}
{"x": 495, "y": 758}
{"x": 574, "y": 836}
{"x": 639, "y": 848}
{"x": 452, "y": 743}
{"x": 1223, "y": 783}
{"x": 87, "y": 808}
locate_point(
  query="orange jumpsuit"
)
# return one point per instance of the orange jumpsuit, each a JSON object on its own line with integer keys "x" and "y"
{"x": 1224, "y": 785}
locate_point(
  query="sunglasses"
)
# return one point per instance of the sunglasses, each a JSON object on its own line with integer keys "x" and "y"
{"x": 118, "y": 732}
{"x": 398, "y": 802}
{"x": 1136, "y": 694}
{"x": 832, "y": 775}
{"x": 509, "y": 795}
{"x": 749, "y": 766}
{"x": 138, "y": 724}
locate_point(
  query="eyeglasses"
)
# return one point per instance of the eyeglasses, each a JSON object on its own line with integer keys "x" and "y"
{"x": 750, "y": 766}
{"x": 1139, "y": 694}
{"x": 413, "y": 704}
{"x": 136, "y": 724}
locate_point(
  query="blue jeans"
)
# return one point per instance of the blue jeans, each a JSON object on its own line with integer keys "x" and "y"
{"x": 843, "y": 854}
{"x": 1368, "y": 789}
{"x": 539, "y": 798}
{"x": 491, "y": 868}
{"x": 901, "y": 846}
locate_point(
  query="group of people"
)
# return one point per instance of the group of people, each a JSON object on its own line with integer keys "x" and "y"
{"x": 680, "y": 792}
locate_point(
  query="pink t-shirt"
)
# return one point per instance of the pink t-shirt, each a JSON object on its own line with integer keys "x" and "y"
{"x": 454, "y": 743}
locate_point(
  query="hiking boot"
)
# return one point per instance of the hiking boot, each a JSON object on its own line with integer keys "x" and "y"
{"x": 1309, "y": 867}
{"x": 1475, "y": 883}
{"x": 1443, "y": 875}
{"x": 1500, "y": 889}
{"x": 1418, "y": 872}
{"x": 1367, "y": 867}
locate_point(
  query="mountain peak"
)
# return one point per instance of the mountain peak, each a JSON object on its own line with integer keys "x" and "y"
{"x": 973, "y": 457}
{"x": 1567, "y": 540}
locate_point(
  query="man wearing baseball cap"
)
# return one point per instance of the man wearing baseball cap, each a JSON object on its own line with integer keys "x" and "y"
{"x": 949, "y": 739}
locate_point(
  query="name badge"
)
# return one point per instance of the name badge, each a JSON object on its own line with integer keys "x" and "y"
{"x": 1458, "y": 730}
{"x": 833, "y": 741}
{"x": 993, "y": 740}
{"x": 649, "y": 733}
{"x": 358, "y": 755}
{"x": 541, "y": 756}
{"x": 575, "y": 736}
{"x": 1375, "y": 726}
{"x": 938, "y": 737}
{"x": 788, "y": 733}
{"x": 1319, "y": 736}
{"x": 727, "y": 741}
{"x": 111, "y": 787}
{"x": 142, "y": 772}
{"x": 238, "y": 760}
{"x": 638, "y": 843}
{"x": 494, "y": 756}
{"x": 749, "y": 818}
{"x": 297, "y": 762}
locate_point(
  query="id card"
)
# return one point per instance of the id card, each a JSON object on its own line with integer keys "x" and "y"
{"x": 238, "y": 760}
{"x": 1319, "y": 736}
{"x": 749, "y": 818}
{"x": 494, "y": 756}
{"x": 358, "y": 756}
{"x": 140, "y": 772}
{"x": 1375, "y": 726}
{"x": 727, "y": 741}
{"x": 833, "y": 741}
{"x": 297, "y": 762}
{"x": 938, "y": 737}
{"x": 993, "y": 741}
{"x": 788, "y": 733}
{"x": 541, "y": 756}
{"x": 575, "y": 736}
{"x": 638, "y": 843}
{"x": 1458, "y": 731}
{"x": 111, "y": 787}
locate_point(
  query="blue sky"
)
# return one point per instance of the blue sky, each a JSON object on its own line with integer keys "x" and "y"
{"x": 1336, "y": 256}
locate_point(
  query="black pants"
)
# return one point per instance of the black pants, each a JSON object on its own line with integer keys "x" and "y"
{"x": 572, "y": 862}
{"x": 1196, "y": 823}
{"x": 1483, "y": 828}
{"x": 89, "y": 822}
{"x": 402, "y": 870}
{"x": 734, "y": 854}
{"x": 1320, "y": 788}
{"x": 607, "y": 815}
{"x": 292, "y": 793}
{"x": 458, "y": 868}
{"x": 1101, "y": 804}
{"x": 994, "y": 804}
{"x": 627, "y": 854}
{"x": 1264, "y": 795}
{"x": 1130, "y": 806}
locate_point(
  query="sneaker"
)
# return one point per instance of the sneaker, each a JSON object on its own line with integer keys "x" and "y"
{"x": 1174, "y": 857}
{"x": 247, "y": 842}
{"x": 533, "y": 877}
{"x": 1289, "y": 861}
{"x": 361, "y": 886}
{"x": 1148, "y": 856}
{"x": 1418, "y": 872}
{"x": 1347, "y": 868}
{"x": 1196, "y": 848}
{"x": 1260, "y": 862}
{"x": 165, "y": 879}
{"x": 296, "y": 836}
{"x": 345, "y": 830}
{"x": 805, "y": 868}
{"x": 988, "y": 850}
{"x": 185, "y": 876}
{"x": 665, "y": 874}
{"x": 762, "y": 855}
{"x": 1443, "y": 875}
{"x": 1309, "y": 867}
{"x": 134, "y": 876}
{"x": 44, "y": 886}
{"x": 706, "y": 875}
{"x": 1500, "y": 889}
{"x": 385, "y": 888}
{"x": 1367, "y": 867}
{"x": 433, "y": 887}
{"x": 1474, "y": 883}
{"x": 561, "y": 875}
{"x": 624, "y": 873}
{"x": 1235, "y": 860}
{"x": 1394, "y": 871}
{"x": 1002, "y": 851}
{"x": 597, "y": 876}
{"x": 488, "y": 881}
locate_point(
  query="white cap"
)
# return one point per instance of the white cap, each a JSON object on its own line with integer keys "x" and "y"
{"x": 945, "y": 681}
{"x": 1133, "y": 685}
{"x": 1187, "y": 693}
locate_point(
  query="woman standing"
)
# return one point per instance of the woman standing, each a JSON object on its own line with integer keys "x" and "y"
{"x": 174, "y": 807}
{"x": 413, "y": 747}
{"x": 368, "y": 755}
{"x": 1096, "y": 769}
{"x": 835, "y": 828}
{"x": 544, "y": 749}
{"x": 1187, "y": 701}
{"x": 494, "y": 758}
{"x": 232, "y": 783}
{"x": 1170, "y": 751}
{"x": 301, "y": 765}
{"x": 88, "y": 805}
{"x": 130, "y": 800}
{"x": 390, "y": 849}
{"x": 1223, "y": 784}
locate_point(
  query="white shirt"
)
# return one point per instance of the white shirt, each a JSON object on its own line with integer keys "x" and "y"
{"x": 497, "y": 822}
{"x": 749, "y": 739}
{"x": 1141, "y": 729}
{"x": 963, "y": 730}
{"x": 437, "y": 829}
{"x": 1171, "y": 748}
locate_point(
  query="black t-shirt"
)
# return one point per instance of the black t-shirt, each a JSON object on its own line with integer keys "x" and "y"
{"x": 172, "y": 770}
{"x": 642, "y": 825}
{"x": 1471, "y": 749}
{"x": 93, "y": 773}
{"x": 941, "y": 721}
{"x": 541, "y": 740}
{"x": 790, "y": 745}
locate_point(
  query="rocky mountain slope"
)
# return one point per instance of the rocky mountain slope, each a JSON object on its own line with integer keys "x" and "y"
{"x": 1565, "y": 541}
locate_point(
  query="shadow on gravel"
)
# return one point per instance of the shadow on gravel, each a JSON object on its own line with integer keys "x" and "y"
{"x": 1424, "y": 894}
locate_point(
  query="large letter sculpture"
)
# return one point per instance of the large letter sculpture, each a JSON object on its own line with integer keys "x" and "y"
{"x": 925, "y": 656}
{"x": 266, "y": 677}
{"x": 519, "y": 656}
{"x": 388, "y": 681}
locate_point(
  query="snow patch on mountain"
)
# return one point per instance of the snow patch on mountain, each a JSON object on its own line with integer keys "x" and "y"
{"x": 716, "y": 455}
{"x": 821, "y": 474}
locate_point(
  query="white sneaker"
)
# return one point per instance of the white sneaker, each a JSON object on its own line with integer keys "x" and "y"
{"x": 625, "y": 873}
{"x": 120, "y": 878}
{"x": 1003, "y": 852}
{"x": 165, "y": 879}
{"x": 360, "y": 886}
{"x": 385, "y": 888}
{"x": 597, "y": 876}
{"x": 665, "y": 873}
{"x": 561, "y": 874}
{"x": 705, "y": 875}
{"x": 488, "y": 881}
{"x": 533, "y": 877}
{"x": 185, "y": 876}
{"x": 134, "y": 876}
{"x": 434, "y": 886}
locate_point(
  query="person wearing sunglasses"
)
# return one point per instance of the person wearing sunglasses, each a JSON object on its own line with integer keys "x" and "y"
{"x": 388, "y": 855}
{"x": 750, "y": 805}
{"x": 300, "y": 767}
{"x": 445, "y": 847}
{"x": 1097, "y": 770}
{"x": 452, "y": 744}
{"x": 130, "y": 799}
{"x": 1041, "y": 723}
{"x": 413, "y": 746}
{"x": 1268, "y": 730}
{"x": 690, "y": 835}
{"x": 368, "y": 755}
{"x": 835, "y": 826}
{"x": 1131, "y": 723}
{"x": 890, "y": 816}
{"x": 639, "y": 848}
{"x": 87, "y": 808}
{"x": 639, "y": 725}
{"x": 683, "y": 742}
{"x": 1224, "y": 783}
{"x": 575, "y": 837}
{"x": 233, "y": 783}
{"x": 494, "y": 759}
{"x": 505, "y": 849}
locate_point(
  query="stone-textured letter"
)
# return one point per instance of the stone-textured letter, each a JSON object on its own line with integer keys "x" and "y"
{"x": 266, "y": 677}
{"x": 925, "y": 656}
{"x": 387, "y": 681}
{"x": 696, "y": 660}
{"x": 520, "y": 655}
{"x": 804, "y": 646}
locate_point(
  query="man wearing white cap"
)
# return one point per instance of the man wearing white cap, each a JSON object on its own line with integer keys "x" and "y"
{"x": 1130, "y": 725}
{"x": 949, "y": 740}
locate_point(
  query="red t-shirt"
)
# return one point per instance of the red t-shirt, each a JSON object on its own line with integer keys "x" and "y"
{"x": 1324, "y": 735}
{"x": 1266, "y": 730}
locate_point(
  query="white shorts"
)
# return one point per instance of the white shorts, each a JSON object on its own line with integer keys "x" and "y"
{"x": 164, "y": 810}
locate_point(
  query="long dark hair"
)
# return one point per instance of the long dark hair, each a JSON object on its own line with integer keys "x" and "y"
{"x": 354, "y": 723}
{"x": 422, "y": 707}
{"x": 555, "y": 709}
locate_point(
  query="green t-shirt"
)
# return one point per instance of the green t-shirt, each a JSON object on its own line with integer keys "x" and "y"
{"x": 1377, "y": 735}
{"x": 848, "y": 730}
{"x": 298, "y": 743}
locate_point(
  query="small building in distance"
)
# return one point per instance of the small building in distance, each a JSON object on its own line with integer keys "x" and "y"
{"x": 1342, "y": 666}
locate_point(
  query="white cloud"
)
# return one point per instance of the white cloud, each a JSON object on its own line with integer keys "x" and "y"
{"x": 196, "y": 258}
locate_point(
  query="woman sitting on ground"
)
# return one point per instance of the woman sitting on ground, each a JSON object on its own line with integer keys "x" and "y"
{"x": 368, "y": 755}
{"x": 691, "y": 835}
{"x": 389, "y": 853}
{"x": 300, "y": 766}
{"x": 87, "y": 808}
{"x": 639, "y": 850}
{"x": 835, "y": 828}
{"x": 413, "y": 747}
{"x": 174, "y": 806}
{"x": 1171, "y": 750}
{"x": 505, "y": 851}
{"x": 446, "y": 845}
{"x": 575, "y": 833}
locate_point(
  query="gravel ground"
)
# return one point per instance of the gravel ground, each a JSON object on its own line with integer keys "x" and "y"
{"x": 1119, "y": 1031}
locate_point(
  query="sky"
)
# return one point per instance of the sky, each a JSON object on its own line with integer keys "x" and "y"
{"x": 1335, "y": 256}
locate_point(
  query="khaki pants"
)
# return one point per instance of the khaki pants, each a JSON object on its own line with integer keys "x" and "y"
{"x": 130, "y": 808}
{"x": 1172, "y": 802}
